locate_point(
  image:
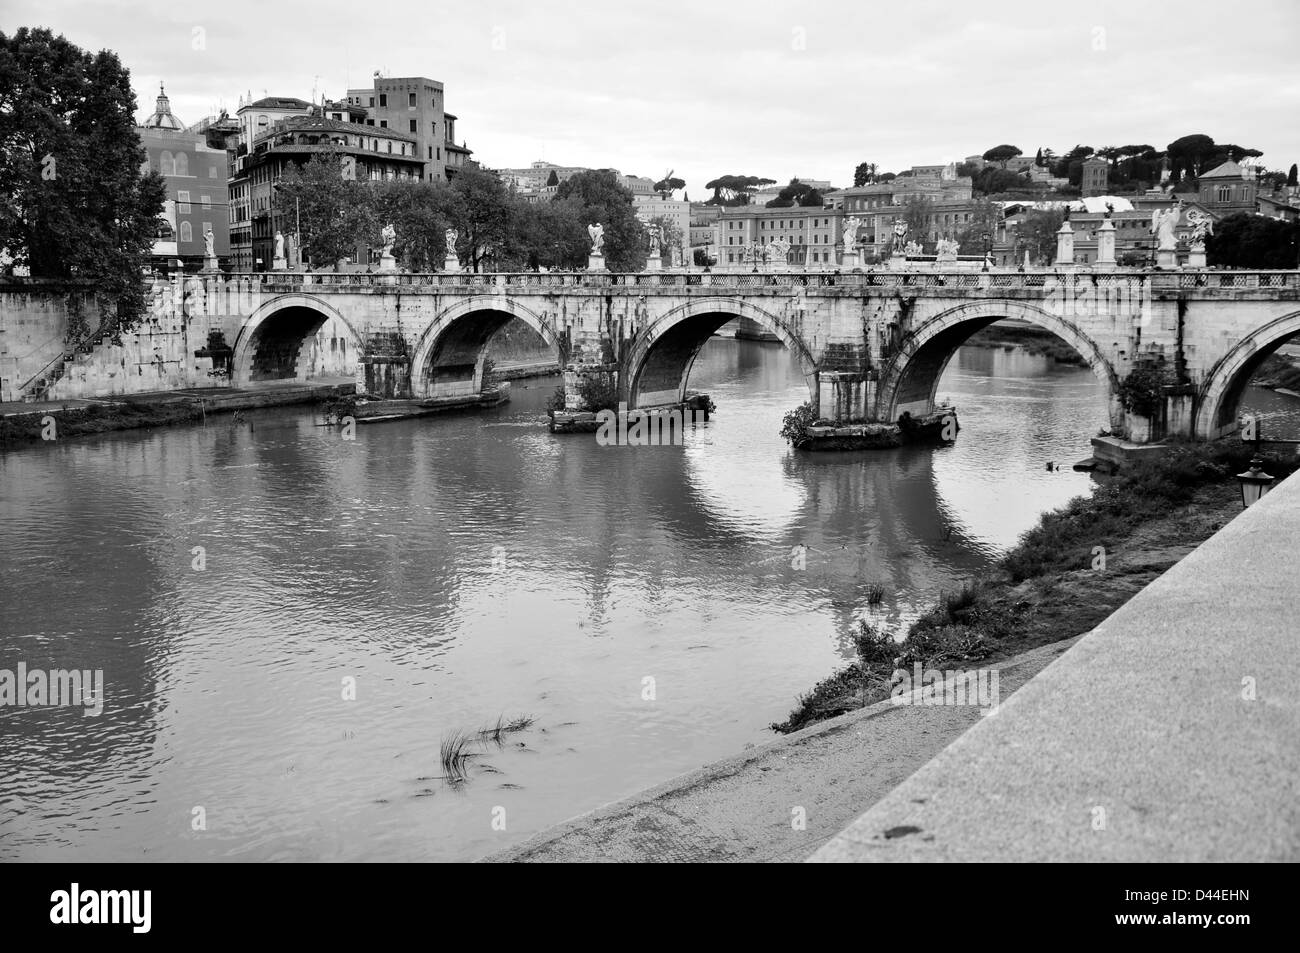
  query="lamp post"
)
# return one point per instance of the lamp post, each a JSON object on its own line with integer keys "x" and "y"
{"x": 988, "y": 248}
{"x": 1254, "y": 482}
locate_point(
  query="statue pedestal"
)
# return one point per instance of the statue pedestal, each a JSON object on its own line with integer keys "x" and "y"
{"x": 654, "y": 263}
{"x": 210, "y": 266}
{"x": 280, "y": 264}
{"x": 451, "y": 264}
{"x": 1196, "y": 256}
{"x": 595, "y": 262}
{"x": 1106, "y": 245}
{"x": 1166, "y": 258}
{"x": 850, "y": 260}
{"x": 897, "y": 261}
{"x": 1064, "y": 245}
{"x": 387, "y": 262}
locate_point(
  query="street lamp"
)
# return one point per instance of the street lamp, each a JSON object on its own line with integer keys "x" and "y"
{"x": 1254, "y": 482}
{"x": 988, "y": 247}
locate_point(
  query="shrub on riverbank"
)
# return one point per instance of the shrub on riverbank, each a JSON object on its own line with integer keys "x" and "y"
{"x": 94, "y": 419}
{"x": 1044, "y": 590}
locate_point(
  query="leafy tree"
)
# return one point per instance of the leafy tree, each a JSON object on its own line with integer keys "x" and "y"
{"x": 77, "y": 205}
{"x": 1002, "y": 154}
{"x": 887, "y": 177}
{"x": 985, "y": 217}
{"x": 1037, "y": 234}
{"x": 483, "y": 212}
{"x": 420, "y": 213}
{"x": 735, "y": 189}
{"x": 1291, "y": 176}
{"x": 797, "y": 193}
{"x": 552, "y": 179}
{"x": 916, "y": 213}
{"x": 1038, "y": 158}
{"x": 668, "y": 185}
{"x": 1190, "y": 155}
{"x": 1245, "y": 240}
{"x": 600, "y": 197}
{"x": 865, "y": 174}
{"x": 548, "y": 235}
{"x": 968, "y": 170}
{"x": 335, "y": 215}
{"x": 992, "y": 180}
{"x": 1076, "y": 155}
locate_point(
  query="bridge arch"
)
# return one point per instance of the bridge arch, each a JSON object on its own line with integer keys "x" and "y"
{"x": 662, "y": 355}
{"x": 283, "y": 340}
{"x": 449, "y": 356}
{"x": 1220, "y": 395}
{"x": 911, "y": 379}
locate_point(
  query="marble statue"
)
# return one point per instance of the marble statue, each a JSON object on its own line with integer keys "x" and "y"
{"x": 656, "y": 233}
{"x": 778, "y": 250}
{"x": 1163, "y": 225}
{"x": 450, "y": 236}
{"x": 389, "y": 237}
{"x": 913, "y": 248}
{"x": 1202, "y": 226}
{"x": 1110, "y": 209}
{"x": 596, "y": 232}
{"x": 279, "y": 245}
{"x": 207, "y": 245}
{"x": 850, "y": 236}
{"x": 900, "y": 233}
{"x": 947, "y": 248}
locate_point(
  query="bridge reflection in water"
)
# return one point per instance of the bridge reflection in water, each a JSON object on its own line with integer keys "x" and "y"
{"x": 375, "y": 559}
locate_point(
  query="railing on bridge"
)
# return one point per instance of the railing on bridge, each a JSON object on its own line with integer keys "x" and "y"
{"x": 996, "y": 280}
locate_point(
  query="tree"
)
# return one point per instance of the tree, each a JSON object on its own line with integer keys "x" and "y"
{"x": 483, "y": 212}
{"x": 548, "y": 235}
{"x": 735, "y": 189}
{"x": 552, "y": 179}
{"x": 668, "y": 185}
{"x": 865, "y": 174}
{"x": 1291, "y": 179}
{"x": 916, "y": 213}
{"x": 992, "y": 180}
{"x": 600, "y": 197}
{"x": 1076, "y": 155}
{"x": 335, "y": 215}
{"x": 1190, "y": 155}
{"x": 797, "y": 193}
{"x": 420, "y": 213}
{"x": 1246, "y": 240}
{"x": 984, "y": 220}
{"x": 77, "y": 204}
{"x": 1002, "y": 154}
{"x": 1037, "y": 233}
{"x": 1038, "y": 158}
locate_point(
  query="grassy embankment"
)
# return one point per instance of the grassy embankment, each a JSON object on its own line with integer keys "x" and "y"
{"x": 1045, "y": 589}
{"x": 96, "y": 419}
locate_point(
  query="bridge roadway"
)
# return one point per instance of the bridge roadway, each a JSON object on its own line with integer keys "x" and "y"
{"x": 871, "y": 344}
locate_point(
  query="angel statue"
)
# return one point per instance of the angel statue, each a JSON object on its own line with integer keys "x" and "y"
{"x": 656, "y": 234}
{"x": 900, "y": 234}
{"x": 389, "y": 238}
{"x": 596, "y": 231}
{"x": 450, "y": 236}
{"x": 850, "y": 236}
{"x": 1163, "y": 225}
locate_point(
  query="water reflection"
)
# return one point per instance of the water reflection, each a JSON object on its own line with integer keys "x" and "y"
{"x": 374, "y": 560}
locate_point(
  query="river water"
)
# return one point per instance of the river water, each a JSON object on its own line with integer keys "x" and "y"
{"x": 360, "y": 601}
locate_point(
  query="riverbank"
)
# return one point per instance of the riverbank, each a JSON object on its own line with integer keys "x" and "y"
{"x": 24, "y": 424}
{"x": 1067, "y": 574}
{"x": 849, "y": 745}
{"x": 1008, "y": 336}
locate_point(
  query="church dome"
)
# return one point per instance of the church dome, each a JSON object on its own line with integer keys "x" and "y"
{"x": 162, "y": 117}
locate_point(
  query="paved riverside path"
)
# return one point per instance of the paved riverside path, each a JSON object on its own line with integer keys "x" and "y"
{"x": 1171, "y": 732}
{"x": 741, "y": 809}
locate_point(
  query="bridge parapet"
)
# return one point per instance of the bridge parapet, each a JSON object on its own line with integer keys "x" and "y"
{"x": 1208, "y": 282}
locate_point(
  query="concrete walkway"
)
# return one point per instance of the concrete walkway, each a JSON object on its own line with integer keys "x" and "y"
{"x": 744, "y": 808}
{"x": 1171, "y": 732}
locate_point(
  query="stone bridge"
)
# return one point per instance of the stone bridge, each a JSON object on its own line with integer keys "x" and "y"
{"x": 871, "y": 345}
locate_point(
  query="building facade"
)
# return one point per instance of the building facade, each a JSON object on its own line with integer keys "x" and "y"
{"x": 197, "y": 197}
{"x": 416, "y": 106}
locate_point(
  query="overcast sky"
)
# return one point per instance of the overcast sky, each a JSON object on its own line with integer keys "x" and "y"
{"x": 776, "y": 89}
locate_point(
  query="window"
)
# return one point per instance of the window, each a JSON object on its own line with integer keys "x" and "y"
{"x": 433, "y": 129}
{"x": 187, "y": 232}
{"x": 370, "y": 122}
{"x": 1223, "y": 193}
{"x": 372, "y": 103}
{"x": 383, "y": 124}
{"x": 412, "y": 125}
{"x": 206, "y": 200}
{"x": 410, "y": 101}
{"x": 212, "y": 172}
{"x": 183, "y": 203}
{"x": 430, "y": 152}
{"x": 439, "y": 153}
{"x": 390, "y": 147}
{"x": 383, "y": 100}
